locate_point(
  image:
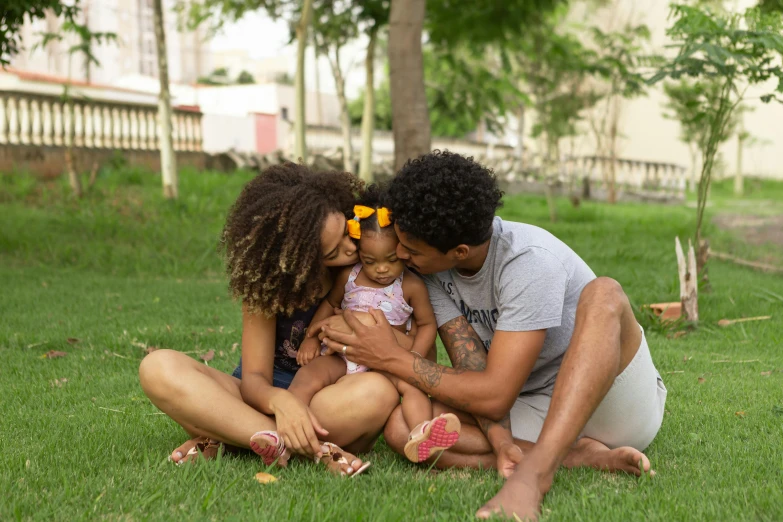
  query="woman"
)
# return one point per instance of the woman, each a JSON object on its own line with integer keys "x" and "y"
{"x": 283, "y": 238}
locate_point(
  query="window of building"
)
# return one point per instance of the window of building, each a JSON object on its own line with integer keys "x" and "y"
{"x": 284, "y": 113}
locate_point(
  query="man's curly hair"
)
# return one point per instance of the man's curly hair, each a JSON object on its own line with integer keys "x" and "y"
{"x": 445, "y": 200}
{"x": 272, "y": 236}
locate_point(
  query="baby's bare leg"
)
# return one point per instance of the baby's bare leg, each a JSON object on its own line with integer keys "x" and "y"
{"x": 323, "y": 371}
{"x": 416, "y": 405}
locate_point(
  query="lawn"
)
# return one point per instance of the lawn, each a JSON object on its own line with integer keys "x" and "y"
{"x": 122, "y": 270}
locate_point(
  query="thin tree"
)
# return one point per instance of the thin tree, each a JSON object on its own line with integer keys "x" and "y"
{"x": 86, "y": 39}
{"x": 168, "y": 160}
{"x": 334, "y": 25}
{"x": 375, "y": 13}
{"x": 300, "y": 147}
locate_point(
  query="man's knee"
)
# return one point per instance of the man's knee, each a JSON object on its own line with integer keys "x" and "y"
{"x": 396, "y": 431}
{"x": 604, "y": 295}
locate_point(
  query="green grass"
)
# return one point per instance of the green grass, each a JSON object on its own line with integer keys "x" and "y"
{"x": 124, "y": 268}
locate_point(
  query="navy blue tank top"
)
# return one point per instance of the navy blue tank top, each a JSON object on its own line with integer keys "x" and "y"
{"x": 289, "y": 334}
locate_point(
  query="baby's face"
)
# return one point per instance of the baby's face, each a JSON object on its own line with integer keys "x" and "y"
{"x": 378, "y": 253}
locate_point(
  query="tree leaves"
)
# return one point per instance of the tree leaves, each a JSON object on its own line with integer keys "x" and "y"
{"x": 725, "y": 53}
{"x": 14, "y": 14}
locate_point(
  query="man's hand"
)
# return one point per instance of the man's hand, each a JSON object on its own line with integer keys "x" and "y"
{"x": 308, "y": 350}
{"x": 509, "y": 456}
{"x": 369, "y": 345}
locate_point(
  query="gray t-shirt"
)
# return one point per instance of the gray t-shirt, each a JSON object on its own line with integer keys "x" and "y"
{"x": 530, "y": 281}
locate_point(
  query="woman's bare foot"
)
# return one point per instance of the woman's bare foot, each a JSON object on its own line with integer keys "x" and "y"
{"x": 198, "y": 448}
{"x": 179, "y": 453}
{"x": 340, "y": 462}
{"x": 593, "y": 454}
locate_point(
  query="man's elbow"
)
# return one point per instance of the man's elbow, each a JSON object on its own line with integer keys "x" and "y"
{"x": 499, "y": 408}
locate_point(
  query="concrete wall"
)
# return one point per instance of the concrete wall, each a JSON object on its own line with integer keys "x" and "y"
{"x": 49, "y": 161}
{"x": 222, "y": 132}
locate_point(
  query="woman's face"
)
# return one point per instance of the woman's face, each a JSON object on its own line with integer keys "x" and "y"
{"x": 338, "y": 249}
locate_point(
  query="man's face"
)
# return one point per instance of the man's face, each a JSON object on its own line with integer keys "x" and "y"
{"x": 420, "y": 256}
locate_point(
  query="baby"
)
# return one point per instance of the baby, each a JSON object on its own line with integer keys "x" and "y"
{"x": 380, "y": 281}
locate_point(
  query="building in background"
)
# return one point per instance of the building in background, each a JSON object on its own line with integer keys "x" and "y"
{"x": 133, "y": 55}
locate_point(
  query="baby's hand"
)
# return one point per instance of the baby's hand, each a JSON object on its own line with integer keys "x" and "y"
{"x": 308, "y": 350}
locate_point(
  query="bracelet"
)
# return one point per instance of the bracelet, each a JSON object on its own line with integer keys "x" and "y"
{"x": 417, "y": 353}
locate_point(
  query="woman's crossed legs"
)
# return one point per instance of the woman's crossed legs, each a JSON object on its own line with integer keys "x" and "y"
{"x": 207, "y": 403}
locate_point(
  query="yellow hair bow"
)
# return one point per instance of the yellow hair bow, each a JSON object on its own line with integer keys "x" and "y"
{"x": 362, "y": 212}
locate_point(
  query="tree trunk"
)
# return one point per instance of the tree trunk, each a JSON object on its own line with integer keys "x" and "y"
{"x": 739, "y": 186}
{"x": 368, "y": 114}
{"x": 318, "y": 101}
{"x": 701, "y": 265}
{"x": 410, "y": 115}
{"x": 694, "y": 156}
{"x": 612, "y": 181}
{"x": 168, "y": 161}
{"x": 69, "y": 125}
{"x": 300, "y": 150}
{"x": 520, "y": 152}
{"x": 549, "y": 166}
{"x": 345, "y": 118}
{"x": 73, "y": 178}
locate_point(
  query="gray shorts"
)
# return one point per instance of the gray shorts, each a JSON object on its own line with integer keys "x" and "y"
{"x": 630, "y": 414}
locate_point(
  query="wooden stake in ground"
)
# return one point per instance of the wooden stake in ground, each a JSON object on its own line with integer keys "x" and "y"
{"x": 688, "y": 281}
{"x": 168, "y": 161}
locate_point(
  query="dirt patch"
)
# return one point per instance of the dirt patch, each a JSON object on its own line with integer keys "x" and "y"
{"x": 755, "y": 230}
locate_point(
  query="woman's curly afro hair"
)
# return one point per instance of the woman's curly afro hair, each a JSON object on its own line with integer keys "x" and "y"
{"x": 445, "y": 200}
{"x": 272, "y": 236}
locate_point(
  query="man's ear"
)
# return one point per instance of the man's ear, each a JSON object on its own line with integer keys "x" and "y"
{"x": 461, "y": 252}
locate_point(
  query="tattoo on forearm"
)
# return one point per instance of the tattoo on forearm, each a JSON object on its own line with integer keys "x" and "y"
{"x": 430, "y": 373}
{"x": 466, "y": 351}
{"x": 464, "y": 346}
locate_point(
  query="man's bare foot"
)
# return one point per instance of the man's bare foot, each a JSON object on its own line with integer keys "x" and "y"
{"x": 520, "y": 497}
{"x": 593, "y": 454}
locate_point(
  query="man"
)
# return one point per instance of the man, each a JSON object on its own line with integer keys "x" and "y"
{"x": 538, "y": 344}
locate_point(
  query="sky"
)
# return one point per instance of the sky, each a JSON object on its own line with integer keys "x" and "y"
{"x": 265, "y": 38}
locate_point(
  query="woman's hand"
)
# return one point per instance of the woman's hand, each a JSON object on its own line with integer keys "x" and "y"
{"x": 366, "y": 344}
{"x": 297, "y": 425}
{"x": 308, "y": 350}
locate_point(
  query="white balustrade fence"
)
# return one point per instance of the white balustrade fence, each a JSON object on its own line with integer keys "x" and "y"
{"x": 39, "y": 119}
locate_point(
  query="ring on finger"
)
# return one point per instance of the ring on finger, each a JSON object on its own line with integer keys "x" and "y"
{"x": 345, "y": 349}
